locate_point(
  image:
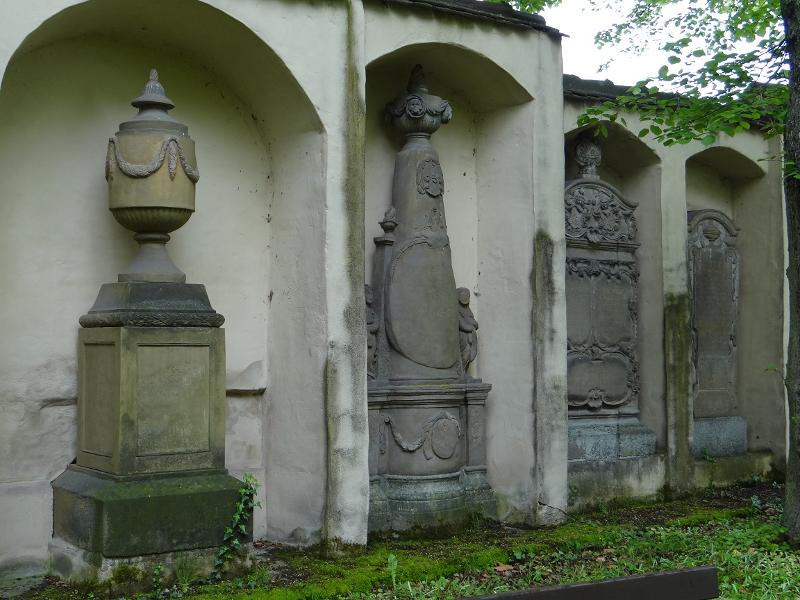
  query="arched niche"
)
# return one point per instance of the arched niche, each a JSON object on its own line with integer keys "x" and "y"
{"x": 734, "y": 213}
{"x": 632, "y": 168}
{"x": 479, "y": 91}
{"x": 487, "y": 156}
{"x": 252, "y": 242}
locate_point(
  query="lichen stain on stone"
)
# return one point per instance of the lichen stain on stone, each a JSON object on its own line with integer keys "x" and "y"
{"x": 677, "y": 342}
{"x": 344, "y": 360}
{"x": 542, "y": 284}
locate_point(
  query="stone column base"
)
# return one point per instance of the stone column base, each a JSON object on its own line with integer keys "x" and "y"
{"x": 114, "y": 517}
{"x": 399, "y": 502}
{"x": 69, "y": 562}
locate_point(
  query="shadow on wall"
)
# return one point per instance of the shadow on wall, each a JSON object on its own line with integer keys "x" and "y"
{"x": 63, "y": 94}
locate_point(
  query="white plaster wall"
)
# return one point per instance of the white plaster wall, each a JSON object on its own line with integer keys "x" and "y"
{"x": 706, "y": 189}
{"x": 59, "y": 242}
{"x": 62, "y": 99}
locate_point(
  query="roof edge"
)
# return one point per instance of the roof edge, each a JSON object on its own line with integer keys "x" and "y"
{"x": 592, "y": 89}
{"x": 497, "y": 13}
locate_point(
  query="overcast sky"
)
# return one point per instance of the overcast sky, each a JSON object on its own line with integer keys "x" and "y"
{"x": 583, "y": 58}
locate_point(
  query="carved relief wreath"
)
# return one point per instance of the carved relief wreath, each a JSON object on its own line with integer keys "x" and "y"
{"x": 439, "y": 436}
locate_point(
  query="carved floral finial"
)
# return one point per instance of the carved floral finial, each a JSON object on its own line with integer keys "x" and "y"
{"x": 416, "y": 82}
{"x": 418, "y": 111}
{"x": 154, "y": 96}
{"x": 588, "y": 156}
{"x": 389, "y": 222}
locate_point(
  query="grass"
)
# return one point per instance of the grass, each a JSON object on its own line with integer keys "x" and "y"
{"x": 737, "y": 530}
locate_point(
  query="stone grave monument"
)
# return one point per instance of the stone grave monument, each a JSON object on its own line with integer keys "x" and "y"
{"x": 602, "y": 291}
{"x": 714, "y": 288}
{"x": 150, "y": 475}
{"x": 426, "y": 415}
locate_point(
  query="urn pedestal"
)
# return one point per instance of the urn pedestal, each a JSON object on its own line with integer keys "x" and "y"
{"x": 149, "y": 482}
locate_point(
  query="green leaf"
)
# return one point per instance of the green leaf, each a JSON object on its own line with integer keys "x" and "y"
{"x": 644, "y": 132}
{"x": 673, "y": 60}
{"x": 708, "y": 139}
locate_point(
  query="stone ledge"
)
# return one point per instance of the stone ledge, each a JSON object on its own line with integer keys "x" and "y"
{"x": 595, "y": 482}
{"x": 609, "y": 439}
{"x": 719, "y": 436}
{"x": 727, "y": 470}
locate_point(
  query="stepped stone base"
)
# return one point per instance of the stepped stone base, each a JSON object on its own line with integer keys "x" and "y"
{"x": 400, "y": 502}
{"x": 115, "y": 517}
{"x": 428, "y": 454}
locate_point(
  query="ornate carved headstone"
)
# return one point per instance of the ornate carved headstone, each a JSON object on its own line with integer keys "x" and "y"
{"x": 602, "y": 289}
{"x": 714, "y": 288}
{"x": 427, "y": 433}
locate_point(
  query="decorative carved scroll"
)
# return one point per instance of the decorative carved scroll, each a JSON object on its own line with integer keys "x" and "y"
{"x": 607, "y": 342}
{"x": 714, "y": 288}
{"x": 602, "y": 290}
{"x": 596, "y": 213}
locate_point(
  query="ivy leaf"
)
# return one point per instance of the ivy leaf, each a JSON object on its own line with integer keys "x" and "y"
{"x": 708, "y": 139}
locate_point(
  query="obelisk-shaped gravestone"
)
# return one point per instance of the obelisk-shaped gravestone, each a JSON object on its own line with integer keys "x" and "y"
{"x": 427, "y": 430}
{"x": 421, "y": 305}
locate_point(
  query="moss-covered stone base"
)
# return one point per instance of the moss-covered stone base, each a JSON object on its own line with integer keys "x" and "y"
{"x": 429, "y": 501}
{"x": 595, "y": 482}
{"x": 120, "y": 518}
{"x": 78, "y": 565}
{"x": 726, "y": 470}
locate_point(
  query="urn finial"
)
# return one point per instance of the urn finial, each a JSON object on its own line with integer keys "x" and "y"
{"x": 588, "y": 156}
{"x": 151, "y": 169}
{"x": 416, "y": 81}
{"x": 418, "y": 112}
{"x": 153, "y": 97}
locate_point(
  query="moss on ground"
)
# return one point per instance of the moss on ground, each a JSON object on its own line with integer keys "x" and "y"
{"x": 738, "y": 530}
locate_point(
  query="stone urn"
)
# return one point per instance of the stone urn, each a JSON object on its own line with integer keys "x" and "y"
{"x": 151, "y": 171}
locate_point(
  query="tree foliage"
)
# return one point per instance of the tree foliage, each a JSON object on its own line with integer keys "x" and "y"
{"x": 726, "y": 69}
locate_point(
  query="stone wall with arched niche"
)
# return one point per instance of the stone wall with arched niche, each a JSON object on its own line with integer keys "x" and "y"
{"x": 256, "y": 240}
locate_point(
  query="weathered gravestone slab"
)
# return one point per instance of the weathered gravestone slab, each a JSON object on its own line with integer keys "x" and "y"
{"x": 714, "y": 287}
{"x": 602, "y": 290}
